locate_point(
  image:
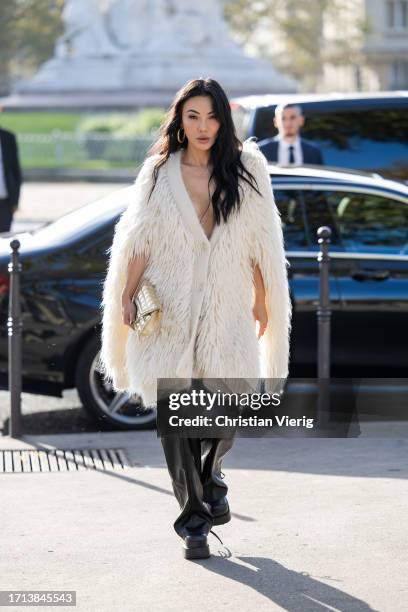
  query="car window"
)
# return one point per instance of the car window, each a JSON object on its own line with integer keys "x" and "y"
{"x": 291, "y": 210}
{"x": 374, "y": 140}
{"x": 240, "y": 117}
{"x": 263, "y": 122}
{"x": 369, "y": 222}
{"x": 318, "y": 213}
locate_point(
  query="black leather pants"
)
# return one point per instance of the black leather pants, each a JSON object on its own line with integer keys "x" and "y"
{"x": 194, "y": 465}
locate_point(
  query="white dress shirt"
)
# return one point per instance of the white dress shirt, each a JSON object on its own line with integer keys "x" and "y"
{"x": 283, "y": 152}
{"x": 3, "y": 186}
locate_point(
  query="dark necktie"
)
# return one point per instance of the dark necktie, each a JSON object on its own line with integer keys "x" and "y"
{"x": 291, "y": 154}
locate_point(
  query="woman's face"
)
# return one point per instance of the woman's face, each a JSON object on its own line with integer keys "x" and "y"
{"x": 199, "y": 122}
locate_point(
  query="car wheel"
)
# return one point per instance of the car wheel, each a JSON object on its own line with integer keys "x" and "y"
{"x": 111, "y": 409}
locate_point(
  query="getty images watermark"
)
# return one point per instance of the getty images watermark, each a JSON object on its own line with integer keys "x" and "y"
{"x": 210, "y": 401}
{"x": 218, "y": 408}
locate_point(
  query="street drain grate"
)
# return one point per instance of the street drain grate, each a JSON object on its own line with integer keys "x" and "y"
{"x": 62, "y": 460}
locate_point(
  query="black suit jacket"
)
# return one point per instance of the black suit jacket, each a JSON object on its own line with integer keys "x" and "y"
{"x": 311, "y": 153}
{"x": 11, "y": 165}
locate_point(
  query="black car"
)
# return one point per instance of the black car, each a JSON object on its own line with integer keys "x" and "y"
{"x": 64, "y": 265}
{"x": 366, "y": 131}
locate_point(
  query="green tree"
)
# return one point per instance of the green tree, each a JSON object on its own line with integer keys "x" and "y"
{"x": 299, "y": 26}
{"x": 7, "y": 11}
{"x": 29, "y": 29}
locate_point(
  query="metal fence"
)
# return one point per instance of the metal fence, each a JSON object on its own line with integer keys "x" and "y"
{"x": 59, "y": 149}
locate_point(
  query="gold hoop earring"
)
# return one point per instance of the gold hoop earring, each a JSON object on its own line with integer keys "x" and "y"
{"x": 178, "y": 136}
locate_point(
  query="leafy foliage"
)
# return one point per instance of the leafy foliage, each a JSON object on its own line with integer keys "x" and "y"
{"x": 29, "y": 29}
{"x": 291, "y": 33}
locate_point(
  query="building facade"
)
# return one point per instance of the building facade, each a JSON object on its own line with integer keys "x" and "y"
{"x": 366, "y": 49}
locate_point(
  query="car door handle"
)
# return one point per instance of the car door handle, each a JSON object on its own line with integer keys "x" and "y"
{"x": 377, "y": 275}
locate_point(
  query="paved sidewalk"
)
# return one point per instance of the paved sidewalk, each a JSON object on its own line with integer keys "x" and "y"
{"x": 48, "y": 201}
{"x": 42, "y": 202}
{"x": 318, "y": 524}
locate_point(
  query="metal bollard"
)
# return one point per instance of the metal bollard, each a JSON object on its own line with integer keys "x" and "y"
{"x": 323, "y": 327}
{"x": 324, "y": 310}
{"x": 14, "y": 325}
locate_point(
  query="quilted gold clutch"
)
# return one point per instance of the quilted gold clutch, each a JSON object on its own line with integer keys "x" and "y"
{"x": 148, "y": 308}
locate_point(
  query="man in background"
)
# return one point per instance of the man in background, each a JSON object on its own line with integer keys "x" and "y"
{"x": 288, "y": 148}
{"x": 10, "y": 178}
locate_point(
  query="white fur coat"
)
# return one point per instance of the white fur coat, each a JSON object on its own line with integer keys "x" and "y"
{"x": 205, "y": 286}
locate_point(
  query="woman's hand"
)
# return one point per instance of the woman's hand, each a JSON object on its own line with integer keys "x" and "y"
{"x": 135, "y": 270}
{"x": 261, "y": 315}
{"x": 128, "y": 312}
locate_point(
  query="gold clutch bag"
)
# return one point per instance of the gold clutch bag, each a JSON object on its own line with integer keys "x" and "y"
{"x": 148, "y": 308}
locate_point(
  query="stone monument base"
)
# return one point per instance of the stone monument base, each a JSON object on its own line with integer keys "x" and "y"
{"x": 159, "y": 76}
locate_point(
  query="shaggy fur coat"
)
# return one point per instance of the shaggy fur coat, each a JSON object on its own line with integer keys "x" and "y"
{"x": 205, "y": 286}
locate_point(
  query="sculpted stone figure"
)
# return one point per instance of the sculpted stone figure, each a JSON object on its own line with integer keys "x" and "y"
{"x": 130, "y": 23}
{"x": 85, "y": 33}
{"x": 185, "y": 27}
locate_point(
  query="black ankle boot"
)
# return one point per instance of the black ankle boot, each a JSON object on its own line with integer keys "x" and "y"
{"x": 220, "y": 511}
{"x": 196, "y": 546}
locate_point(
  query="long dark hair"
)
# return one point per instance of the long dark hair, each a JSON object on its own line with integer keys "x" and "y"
{"x": 225, "y": 154}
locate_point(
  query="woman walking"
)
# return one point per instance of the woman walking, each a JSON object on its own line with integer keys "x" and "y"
{"x": 202, "y": 226}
